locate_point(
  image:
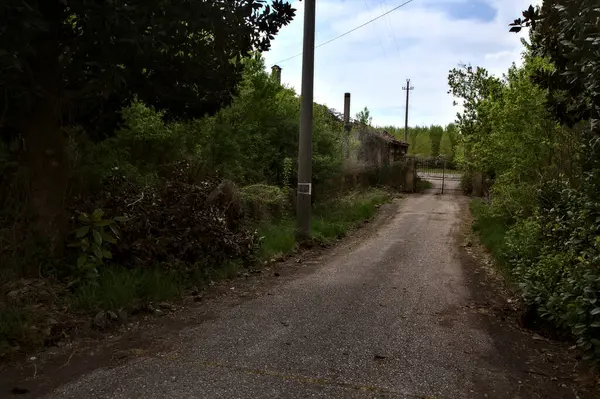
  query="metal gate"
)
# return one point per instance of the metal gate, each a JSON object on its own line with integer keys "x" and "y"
{"x": 433, "y": 175}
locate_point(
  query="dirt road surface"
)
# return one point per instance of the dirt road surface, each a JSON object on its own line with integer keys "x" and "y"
{"x": 400, "y": 313}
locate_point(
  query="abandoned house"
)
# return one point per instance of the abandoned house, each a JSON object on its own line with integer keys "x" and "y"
{"x": 377, "y": 147}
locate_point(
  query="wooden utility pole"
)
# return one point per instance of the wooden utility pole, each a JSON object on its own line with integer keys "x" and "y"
{"x": 408, "y": 88}
{"x": 304, "y": 194}
{"x": 346, "y": 125}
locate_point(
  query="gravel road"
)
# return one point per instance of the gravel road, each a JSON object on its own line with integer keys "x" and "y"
{"x": 387, "y": 316}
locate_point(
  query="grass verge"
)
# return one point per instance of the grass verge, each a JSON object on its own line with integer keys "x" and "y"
{"x": 117, "y": 288}
{"x": 330, "y": 220}
{"x": 490, "y": 228}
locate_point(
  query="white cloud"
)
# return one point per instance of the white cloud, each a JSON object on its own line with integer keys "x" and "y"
{"x": 418, "y": 41}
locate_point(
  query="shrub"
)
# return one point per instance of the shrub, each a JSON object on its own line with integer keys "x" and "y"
{"x": 523, "y": 243}
{"x": 176, "y": 223}
{"x": 553, "y": 256}
{"x": 263, "y": 202}
{"x": 466, "y": 183}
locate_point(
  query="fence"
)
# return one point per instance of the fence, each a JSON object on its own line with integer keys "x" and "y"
{"x": 440, "y": 177}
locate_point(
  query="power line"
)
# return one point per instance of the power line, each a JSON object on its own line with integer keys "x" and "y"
{"x": 376, "y": 32}
{"x": 351, "y": 30}
{"x": 392, "y": 32}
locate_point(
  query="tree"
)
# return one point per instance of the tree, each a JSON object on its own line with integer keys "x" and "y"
{"x": 68, "y": 62}
{"x": 364, "y": 116}
{"x": 452, "y": 134}
{"x": 475, "y": 88}
{"x": 435, "y": 137}
{"x": 566, "y": 32}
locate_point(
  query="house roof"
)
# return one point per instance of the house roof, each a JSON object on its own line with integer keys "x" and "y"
{"x": 381, "y": 134}
{"x": 388, "y": 137}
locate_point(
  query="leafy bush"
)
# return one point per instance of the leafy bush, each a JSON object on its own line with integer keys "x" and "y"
{"x": 466, "y": 183}
{"x": 263, "y": 202}
{"x": 94, "y": 239}
{"x": 523, "y": 243}
{"x": 176, "y": 223}
{"x": 553, "y": 257}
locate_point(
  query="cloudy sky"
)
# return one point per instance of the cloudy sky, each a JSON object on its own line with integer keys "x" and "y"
{"x": 421, "y": 41}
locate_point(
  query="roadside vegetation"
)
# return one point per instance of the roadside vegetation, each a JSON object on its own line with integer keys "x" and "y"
{"x": 534, "y": 133}
{"x": 430, "y": 141}
{"x": 138, "y": 172}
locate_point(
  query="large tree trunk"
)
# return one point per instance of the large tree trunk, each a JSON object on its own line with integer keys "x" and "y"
{"x": 48, "y": 172}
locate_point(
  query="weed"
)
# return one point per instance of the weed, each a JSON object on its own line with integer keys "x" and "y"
{"x": 331, "y": 220}
{"x": 227, "y": 271}
{"x": 278, "y": 238}
{"x": 19, "y": 328}
{"x": 491, "y": 228}
{"x": 118, "y": 287}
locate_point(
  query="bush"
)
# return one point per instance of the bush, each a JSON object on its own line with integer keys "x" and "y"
{"x": 466, "y": 183}
{"x": 422, "y": 185}
{"x": 176, "y": 223}
{"x": 523, "y": 243}
{"x": 553, "y": 257}
{"x": 264, "y": 202}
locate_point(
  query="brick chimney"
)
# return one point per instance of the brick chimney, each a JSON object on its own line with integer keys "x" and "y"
{"x": 276, "y": 73}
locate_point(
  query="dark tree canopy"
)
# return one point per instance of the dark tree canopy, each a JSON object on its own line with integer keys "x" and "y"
{"x": 79, "y": 62}
{"x": 567, "y": 32}
{"x": 93, "y": 56}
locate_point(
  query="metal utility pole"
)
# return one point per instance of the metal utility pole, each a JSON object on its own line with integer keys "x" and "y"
{"x": 408, "y": 88}
{"x": 303, "y": 206}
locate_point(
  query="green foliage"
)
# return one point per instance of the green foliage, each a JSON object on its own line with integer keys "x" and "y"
{"x": 429, "y": 141}
{"x": 102, "y": 52}
{"x": 364, "y": 116}
{"x": 288, "y": 168}
{"x": 554, "y": 256}
{"x": 277, "y": 238}
{"x": 94, "y": 238}
{"x": 490, "y": 226}
{"x": 435, "y": 136}
{"x": 250, "y": 141}
{"x": 118, "y": 288}
{"x": 331, "y": 220}
{"x": 263, "y": 202}
{"x": 75, "y": 64}
{"x": 466, "y": 183}
{"x": 530, "y": 131}
{"x": 566, "y": 33}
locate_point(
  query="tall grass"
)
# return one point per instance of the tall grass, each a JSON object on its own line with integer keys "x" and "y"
{"x": 118, "y": 287}
{"x": 331, "y": 220}
{"x": 491, "y": 228}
